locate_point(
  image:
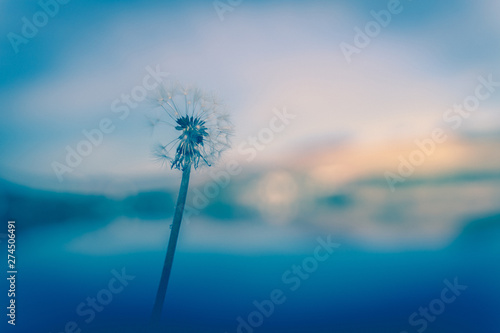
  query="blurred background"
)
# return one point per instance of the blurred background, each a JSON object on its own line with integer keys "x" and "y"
{"x": 358, "y": 90}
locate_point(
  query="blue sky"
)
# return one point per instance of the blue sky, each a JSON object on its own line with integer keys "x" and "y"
{"x": 264, "y": 55}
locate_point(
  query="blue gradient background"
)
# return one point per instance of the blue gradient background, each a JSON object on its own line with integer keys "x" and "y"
{"x": 323, "y": 176}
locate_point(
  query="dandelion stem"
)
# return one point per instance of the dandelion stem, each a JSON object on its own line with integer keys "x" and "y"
{"x": 172, "y": 242}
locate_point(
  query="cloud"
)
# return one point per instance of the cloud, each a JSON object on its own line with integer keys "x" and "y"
{"x": 264, "y": 56}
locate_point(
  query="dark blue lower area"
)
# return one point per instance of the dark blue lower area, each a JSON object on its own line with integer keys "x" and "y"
{"x": 354, "y": 290}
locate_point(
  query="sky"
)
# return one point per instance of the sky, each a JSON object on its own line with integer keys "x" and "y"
{"x": 262, "y": 56}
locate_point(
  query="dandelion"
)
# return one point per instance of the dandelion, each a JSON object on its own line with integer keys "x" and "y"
{"x": 194, "y": 130}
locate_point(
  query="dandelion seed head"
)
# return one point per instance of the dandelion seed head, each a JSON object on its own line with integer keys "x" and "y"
{"x": 200, "y": 128}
